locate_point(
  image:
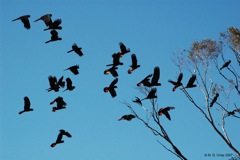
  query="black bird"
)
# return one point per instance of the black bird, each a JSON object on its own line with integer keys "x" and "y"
{"x": 76, "y": 49}
{"x": 165, "y": 111}
{"x": 127, "y": 117}
{"x": 116, "y": 60}
{"x": 27, "y": 105}
{"x": 155, "y": 77}
{"x": 226, "y": 64}
{"x": 151, "y": 94}
{"x": 54, "y": 25}
{"x": 61, "y": 83}
{"x": 46, "y": 19}
{"x": 145, "y": 81}
{"x": 111, "y": 88}
{"x": 54, "y": 36}
{"x": 73, "y": 69}
{"x": 60, "y": 136}
{"x": 214, "y": 99}
{"x": 134, "y": 64}
{"x": 25, "y": 21}
{"x": 61, "y": 104}
{"x": 230, "y": 113}
{"x": 112, "y": 70}
{"x": 53, "y": 84}
{"x": 191, "y": 81}
{"x": 178, "y": 83}
{"x": 70, "y": 87}
{"x": 123, "y": 49}
{"x": 138, "y": 101}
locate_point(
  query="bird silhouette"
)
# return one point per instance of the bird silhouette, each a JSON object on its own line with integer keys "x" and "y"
{"x": 226, "y": 64}
{"x": 230, "y": 113}
{"x": 145, "y": 81}
{"x": 165, "y": 111}
{"x": 178, "y": 83}
{"x": 54, "y": 36}
{"x": 60, "y": 136}
{"x": 111, "y": 88}
{"x": 123, "y": 49}
{"x": 27, "y": 105}
{"x": 138, "y": 101}
{"x": 76, "y": 49}
{"x": 61, "y": 83}
{"x": 70, "y": 87}
{"x": 54, "y": 25}
{"x": 151, "y": 94}
{"x": 112, "y": 70}
{"x": 156, "y": 77}
{"x": 116, "y": 60}
{"x": 53, "y": 84}
{"x": 191, "y": 81}
{"x": 25, "y": 21}
{"x": 134, "y": 64}
{"x": 214, "y": 99}
{"x": 61, "y": 104}
{"x": 46, "y": 19}
{"x": 73, "y": 69}
{"x": 127, "y": 117}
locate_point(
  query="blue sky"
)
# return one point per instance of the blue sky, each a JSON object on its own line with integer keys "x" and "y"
{"x": 152, "y": 30}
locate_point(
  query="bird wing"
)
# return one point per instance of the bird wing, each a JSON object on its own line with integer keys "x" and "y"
{"x": 67, "y": 134}
{"x": 59, "y": 137}
{"x": 69, "y": 83}
{"x": 180, "y": 76}
{"x": 156, "y": 75}
{"x": 74, "y": 70}
{"x": 47, "y": 19}
{"x": 52, "y": 81}
{"x": 172, "y": 82}
{"x": 113, "y": 83}
{"x": 122, "y": 47}
{"x": 57, "y": 22}
{"x": 134, "y": 60}
{"x": 27, "y": 103}
{"x": 152, "y": 92}
{"x": 113, "y": 71}
{"x": 167, "y": 114}
{"x": 191, "y": 80}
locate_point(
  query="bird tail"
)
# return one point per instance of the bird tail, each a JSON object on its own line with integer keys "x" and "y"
{"x": 48, "y": 41}
{"x": 69, "y": 51}
{"x": 109, "y": 65}
{"x": 21, "y": 112}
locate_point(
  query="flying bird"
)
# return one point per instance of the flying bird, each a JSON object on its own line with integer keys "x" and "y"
{"x": 25, "y": 21}
{"x": 178, "y": 83}
{"x": 46, "y": 19}
{"x": 138, "y": 101}
{"x": 55, "y": 84}
{"x": 156, "y": 77}
{"x": 145, "y": 81}
{"x": 73, "y": 69}
{"x": 54, "y": 36}
{"x": 127, "y": 117}
{"x": 61, "y": 104}
{"x": 191, "y": 81}
{"x": 54, "y": 25}
{"x": 112, "y": 70}
{"x": 60, "y": 136}
{"x": 214, "y": 99}
{"x": 226, "y": 64}
{"x": 134, "y": 64}
{"x": 60, "y": 82}
{"x": 151, "y": 94}
{"x": 27, "y": 105}
{"x": 76, "y": 49}
{"x": 116, "y": 60}
{"x": 123, "y": 49}
{"x": 111, "y": 88}
{"x": 70, "y": 87}
{"x": 165, "y": 111}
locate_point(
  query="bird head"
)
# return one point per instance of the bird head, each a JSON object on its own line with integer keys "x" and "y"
{"x": 130, "y": 70}
{"x": 105, "y": 89}
{"x": 106, "y": 72}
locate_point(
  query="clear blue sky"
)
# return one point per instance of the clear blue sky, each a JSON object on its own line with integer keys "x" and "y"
{"x": 153, "y": 30}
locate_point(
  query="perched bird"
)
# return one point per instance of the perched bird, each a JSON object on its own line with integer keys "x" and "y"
{"x": 134, "y": 64}
{"x": 178, "y": 83}
{"x": 54, "y": 36}
{"x": 151, "y": 94}
{"x": 137, "y": 100}
{"x": 76, "y": 49}
{"x": 127, "y": 117}
{"x": 116, "y": 60}
{"x": 112, "y": 70}
{"x": 230, "y": 113}
{"x": 25, "y": 21}
{"x": 111, "y": 88}
{"x": 60, "y": 136}
{"x": 123, "y": 49}
{"x": 46, "y": 19}
{"x": 155, "y": 77}
{"x": 73, "y": 69}
{"x": 226, "y": 64}
{"x": 61, "y": 104}
{"x": 214, "y": 99}
{"x": 27, "y": 105}
{"x": 145, "y": 81}
{"x": 165, "y": 111}
{"x": 70, "y": 87}
{"x": 54, "y": 25}
{"x": 191, "y": 81}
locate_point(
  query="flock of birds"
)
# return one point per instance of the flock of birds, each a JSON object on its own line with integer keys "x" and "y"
{"x": 151, "y": 81}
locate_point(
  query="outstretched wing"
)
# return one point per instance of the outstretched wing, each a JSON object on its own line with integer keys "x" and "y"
{"x": 180, "y": 76}
{"x": 134, "y": 60}
{"x": 156, "y": 75}
{"x": 191, "y": 80}
{"x": 113, "y": 83}
{"x": 69, "y": 83}
{"x": 152, "y": 92}
{"x": 27, "y": 103}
